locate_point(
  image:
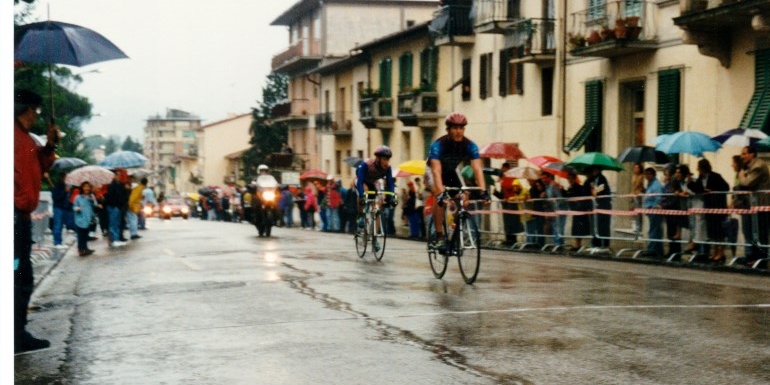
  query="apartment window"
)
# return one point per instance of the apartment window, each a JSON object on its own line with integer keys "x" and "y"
{"x": 757, "y": 113}
{"x": 466, "y": 80}
{"x": 633, "y": 7}
{"x": 596, "y": 10}
{"x": 590, "y": 134}
{"x": 386, "y": 74}
{"x": 546, "y": 94}
{"x": 511, "y": 77}
{"x": 405, "y": 72}
{"x": 429, "y": 68}
{"x": 485, "y": 75}
{"x": 669, "y": 89}
{"x": 386, "y": 137}
{"x": 427, "y": 137}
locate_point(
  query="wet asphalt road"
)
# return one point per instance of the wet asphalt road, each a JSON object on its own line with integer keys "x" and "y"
{"x": 197, "y": 302}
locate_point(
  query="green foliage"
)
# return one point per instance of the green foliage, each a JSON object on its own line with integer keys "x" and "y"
{"x": 267, "y": 137}
{"x": 130, "y": 145}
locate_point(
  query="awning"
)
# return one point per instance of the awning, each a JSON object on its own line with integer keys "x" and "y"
{"x": 457, "y": 83}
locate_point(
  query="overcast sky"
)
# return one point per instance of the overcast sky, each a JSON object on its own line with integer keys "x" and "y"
{"x": 209, "y": 58}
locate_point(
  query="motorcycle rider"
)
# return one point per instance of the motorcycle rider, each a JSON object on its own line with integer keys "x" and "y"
{"x": 369, "y": 172}
{"x": 265, "y": 198}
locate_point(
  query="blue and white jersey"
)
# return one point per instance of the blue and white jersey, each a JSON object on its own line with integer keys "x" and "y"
{"x": 451, "y": 154}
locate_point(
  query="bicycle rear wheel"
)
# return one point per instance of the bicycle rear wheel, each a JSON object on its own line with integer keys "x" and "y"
{"x": 469, "y": 256}
{"x": 378, "y": 236}
{"x": 361, "y": 240}
{"x": 438, "y": 261}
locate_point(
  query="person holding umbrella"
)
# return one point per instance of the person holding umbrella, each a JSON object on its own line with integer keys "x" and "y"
{"x": 30, "y": 163}
{"x": 600, "y": 189}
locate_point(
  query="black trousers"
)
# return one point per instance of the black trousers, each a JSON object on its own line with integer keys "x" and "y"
{"x": 23, "y": 281}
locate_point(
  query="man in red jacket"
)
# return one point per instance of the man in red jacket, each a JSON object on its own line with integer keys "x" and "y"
{"x": 30, "y": 163}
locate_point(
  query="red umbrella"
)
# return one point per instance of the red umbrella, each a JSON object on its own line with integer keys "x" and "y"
{"x": 500, "y": 150}
{"x": 313, "y": 175}
{"x": 541, "y": 160}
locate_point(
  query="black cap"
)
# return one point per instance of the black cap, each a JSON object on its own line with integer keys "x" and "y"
{"x": 22, "y": 97}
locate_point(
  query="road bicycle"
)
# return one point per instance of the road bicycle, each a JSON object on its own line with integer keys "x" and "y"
{"x": 374, "y": 224}
{"x": 461, "y": 237}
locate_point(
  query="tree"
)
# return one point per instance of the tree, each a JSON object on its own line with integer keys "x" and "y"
{"x": 267, "y": 137}
{"x": 130, "y": 145}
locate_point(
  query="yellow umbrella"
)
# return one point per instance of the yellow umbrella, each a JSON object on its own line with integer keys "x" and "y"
{"x": 414, "y": 167}
{"x": 194, "y": 196}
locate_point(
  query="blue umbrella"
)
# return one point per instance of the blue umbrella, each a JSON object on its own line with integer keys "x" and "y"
{"x": 54, "y": 42}
{"x": 124, "y": 159}
{"x": 67, "y": 163}
{"x": 62, "y": 43}
{"x": 688, "y": 142}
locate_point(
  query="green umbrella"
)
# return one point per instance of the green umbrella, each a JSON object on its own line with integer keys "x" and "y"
{"x": 598, "y": 159}
{"x": 467, "y": 173}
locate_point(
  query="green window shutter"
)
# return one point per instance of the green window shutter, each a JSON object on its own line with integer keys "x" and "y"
{"x": 483, "y": 59}
{"x": 592, "y": 127}
{"x": 386, "y": 137}
{"x": 425, "y": 65}
{"x": 427, "y": 137}
{"x": 405, "y": 71}
{"x": 504, "y": 74}
{"x": 386, "y": 71}
{"x": 758, "y": 111}
{"x": 669, "y": 88}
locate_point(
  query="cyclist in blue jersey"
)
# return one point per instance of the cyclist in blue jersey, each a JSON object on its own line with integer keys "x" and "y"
{"x": 446, "y": 153}
{"x": 372, "y": 170}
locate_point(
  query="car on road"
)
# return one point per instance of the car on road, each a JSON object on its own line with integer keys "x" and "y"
{"x": 174, "y": 207}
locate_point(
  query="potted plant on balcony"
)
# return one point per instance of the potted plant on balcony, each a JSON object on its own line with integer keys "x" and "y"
{"x": 576, "y": 40}
{"x": 594, "y": 38}
{"x": 369, "y": 93}
{"x": 606, "y": 32}
{"x": 627, "y": 28}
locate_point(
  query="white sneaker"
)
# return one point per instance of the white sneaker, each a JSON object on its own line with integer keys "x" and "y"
{"x": 60, "y": 247}
{"x": 118, "y": 244}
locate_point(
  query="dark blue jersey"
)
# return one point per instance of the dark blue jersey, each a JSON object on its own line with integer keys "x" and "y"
{"x": 451, "y": 154}
{"x": 369, "y": 172}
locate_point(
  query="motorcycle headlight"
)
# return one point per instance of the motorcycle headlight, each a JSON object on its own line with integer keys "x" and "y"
{"x": 269, "y": 195}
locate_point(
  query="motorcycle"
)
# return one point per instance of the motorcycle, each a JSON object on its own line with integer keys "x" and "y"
{"x": 265, "y": 204}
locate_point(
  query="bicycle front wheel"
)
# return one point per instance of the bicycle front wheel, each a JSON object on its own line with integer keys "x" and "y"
{"x": 361, "y": 240}
{"x": 437, "y": 260}
{"x": 469, "y": 256}
{"x": 378, "y": 236}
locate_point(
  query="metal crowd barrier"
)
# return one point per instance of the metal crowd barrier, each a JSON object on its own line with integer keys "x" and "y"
{"x": 629, "y": 225}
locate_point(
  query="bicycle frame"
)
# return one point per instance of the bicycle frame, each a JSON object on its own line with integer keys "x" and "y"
{"x": 374, "y": 228}
{"x": 464, "y": 236}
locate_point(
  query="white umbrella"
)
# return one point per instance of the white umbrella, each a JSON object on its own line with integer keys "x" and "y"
{"x": 96, "y": 175}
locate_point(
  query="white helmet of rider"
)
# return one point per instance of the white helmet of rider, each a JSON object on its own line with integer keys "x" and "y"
{"x": 263, "y": 168}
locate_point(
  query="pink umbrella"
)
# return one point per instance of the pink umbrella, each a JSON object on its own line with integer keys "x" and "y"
{"x": 500, "y": 150}
{"x": 96, "y": 175}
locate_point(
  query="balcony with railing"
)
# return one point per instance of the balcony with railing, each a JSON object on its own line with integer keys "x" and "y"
{"x": 418, "y": 108}
{"x": 293, "y": 112}
{"x": 451, "y": 24}
{"x": 709, "y": 24}
{"x": 302, "y": 55}
{"x": 493, "y": 16}
{"x": 324, "y": 121}
{"x": 537, "y": 37}
{"x": 376, "y": 112}
{"x": 341, "y": 126}
{"x": 614, "y": 29}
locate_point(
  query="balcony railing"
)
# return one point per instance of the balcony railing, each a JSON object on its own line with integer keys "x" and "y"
{"x": 708, "y": 24}
{"x": 324, "y": 121}
{"x": 294, "y": 110}
{"x": 613, "y": 29}
{"x": 418, "y": 109}
{"x": 376, "y": 112}
{"x": 452, "y": 25}
{"x": 492, "y": 16}
{"x": 301, "y": 54}
{"x": 536, "y": 36}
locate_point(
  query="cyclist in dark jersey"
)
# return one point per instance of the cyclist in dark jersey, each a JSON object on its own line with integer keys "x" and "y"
{"x": 446, "y": 153}
{"x": 372, "y": 170}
